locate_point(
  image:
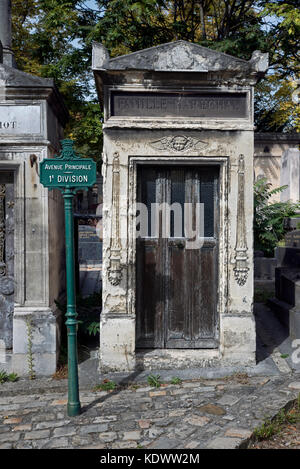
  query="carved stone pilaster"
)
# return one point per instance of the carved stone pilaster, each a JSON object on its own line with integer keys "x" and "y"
{"x": 2, "y": 230}
{"x": 115, "y": 269}
{"x": 241, "y": 268}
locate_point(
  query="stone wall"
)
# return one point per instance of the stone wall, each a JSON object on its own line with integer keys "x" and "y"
{"x": 268, "y": 151}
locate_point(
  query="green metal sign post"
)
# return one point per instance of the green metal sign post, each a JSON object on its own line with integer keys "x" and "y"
{"x": 69, "y": 173}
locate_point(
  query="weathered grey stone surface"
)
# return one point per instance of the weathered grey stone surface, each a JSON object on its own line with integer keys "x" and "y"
{"x": 290, "y": 175}
{"x": 286, "y": 304}
{"x": 264, "y": 268}
{"x": 13, "y": 77}
{"x": 32, "y": 116}
{"x": 132, "y": 417}
{"x": 212, "y": 407}
{"x": 178, "y": 55}
{"x": 269, "y": 148}
{"x": 134, "y": 137}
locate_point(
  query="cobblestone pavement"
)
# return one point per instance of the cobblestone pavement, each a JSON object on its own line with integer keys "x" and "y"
{"x": 220, "y": 413}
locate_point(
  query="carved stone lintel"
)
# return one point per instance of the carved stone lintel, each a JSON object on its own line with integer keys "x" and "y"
{"x": 241, "y": 268}
{"x": 115, "y": 268}
{"x": 178, "y": 143}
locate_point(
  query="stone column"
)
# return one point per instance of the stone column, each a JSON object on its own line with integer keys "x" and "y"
{"x": 5, "y": 32}
{"x": 290, "y": 175}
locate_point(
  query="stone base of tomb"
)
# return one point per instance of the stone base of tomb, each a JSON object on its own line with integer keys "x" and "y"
{"x": 118, "y": 353}
{"x": 38, "y": 329}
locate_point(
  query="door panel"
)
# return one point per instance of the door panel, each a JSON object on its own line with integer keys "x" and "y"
{"x": 177, "y": 266}
{"x": 177, "y": 291}
{"x": 148, "y": 289}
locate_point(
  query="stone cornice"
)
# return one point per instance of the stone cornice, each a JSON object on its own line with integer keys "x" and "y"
{"x": 167, "y": 123}
{"x": 276, "y": 137}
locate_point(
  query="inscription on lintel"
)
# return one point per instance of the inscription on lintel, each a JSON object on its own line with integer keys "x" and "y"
{"x": 217, "y": 105}
{"x": 16, "y": 119}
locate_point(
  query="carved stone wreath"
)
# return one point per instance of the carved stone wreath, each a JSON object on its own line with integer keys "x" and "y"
{"x": 178, "y": 143}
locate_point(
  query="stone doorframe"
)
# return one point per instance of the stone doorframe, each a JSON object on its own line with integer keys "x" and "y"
{"x": 198, "y": 356}
{"x": 19, "y": 250}
{"x": 44, "y": 319}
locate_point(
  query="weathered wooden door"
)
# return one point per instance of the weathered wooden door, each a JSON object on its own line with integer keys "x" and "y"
{"x": 177, "y": 251}
{"x": 6, "y": 257}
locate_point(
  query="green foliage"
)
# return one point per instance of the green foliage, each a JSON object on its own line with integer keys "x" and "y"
{"x": 49, "y": 40}
{"x": 129, "y": 25}
{"x": 265, "y": 431}
{"x": 13, "y": 377}
{"x": 106, "y": 385}
{"x": 273, "y": 426}
{"x": 154, "y": 381}
{"x": 268, "y": 217}
{"x": 282, "y": 17}
{"x": 275, "y": 108}
{"x": 176, "y": 380}
{"x": 53, "y": 38}
{"x": 94, "y": 328}
{"x": 88, "y": 316}
{"x": 88, "y": 313}
{"x": 4, "y": 377}
{"x": 85, "y": 128}
{"x": 280, "y": 113}
{"x": 262, "y": 295}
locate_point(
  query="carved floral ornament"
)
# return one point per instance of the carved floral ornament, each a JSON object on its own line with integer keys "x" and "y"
{"x": 2, "y": 231}
{"x": 115, "y": 268}
{"x": 241, "y": 268}
{"x": 178, "y": 143}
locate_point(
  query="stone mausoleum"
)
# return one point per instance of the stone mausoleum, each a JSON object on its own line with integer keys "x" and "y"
{"x": 32, "y": 116}
{"x": 178, "y": 131}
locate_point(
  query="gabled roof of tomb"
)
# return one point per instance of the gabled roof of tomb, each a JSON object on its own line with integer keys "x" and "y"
{"x": 178, "y": 56}
{"x": 21, "y": 85}
{"x": 12, "y": 77}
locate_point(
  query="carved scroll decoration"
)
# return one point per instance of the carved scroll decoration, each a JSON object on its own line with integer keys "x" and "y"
{"x": 2, "y": 230}
{"x": 241, "y": 268}
{"x": 115, "y": 269}
{"x": 178, "y": 143}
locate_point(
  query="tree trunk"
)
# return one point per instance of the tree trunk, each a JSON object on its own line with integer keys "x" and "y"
{"x": 202, "y": 20}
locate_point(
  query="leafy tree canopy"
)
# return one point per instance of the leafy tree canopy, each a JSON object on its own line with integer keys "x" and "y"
{"x": 52, "y": 38}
